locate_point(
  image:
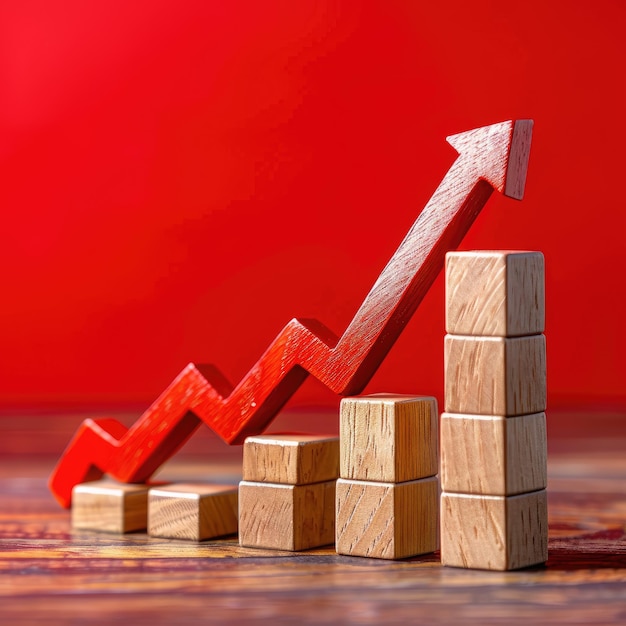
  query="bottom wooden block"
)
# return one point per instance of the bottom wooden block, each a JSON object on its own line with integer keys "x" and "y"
{"x": 192, "y": 511}
{"x": 286, "y": 517}
{"x": 109, "y": 506}
{"x": 387, "y": 520}
{"x": 494, "y": 532}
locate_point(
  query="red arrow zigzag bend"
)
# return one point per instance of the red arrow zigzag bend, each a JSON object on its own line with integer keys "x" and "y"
{"x": 492, "y": 157}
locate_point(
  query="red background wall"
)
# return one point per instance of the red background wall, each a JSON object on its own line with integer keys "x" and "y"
{"x": 178, "y": 179}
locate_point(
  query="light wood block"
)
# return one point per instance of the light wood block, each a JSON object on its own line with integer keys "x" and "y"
{"x": 493, "y": 455}
{"x": 388, "y": 438}
{"x": 109, "y": 506}
{"x": 291, "y": 459}
{"x": 387, "y": 520}
{"x": 498, "y": 293}
{"x": 494, "y": 532}
{"x": 495, "y": 375}
{"x": 192, "y": 511}
{"x": 286, "y": 517}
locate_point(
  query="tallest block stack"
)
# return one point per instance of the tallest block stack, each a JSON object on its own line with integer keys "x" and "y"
{"x": 493, "y": 433}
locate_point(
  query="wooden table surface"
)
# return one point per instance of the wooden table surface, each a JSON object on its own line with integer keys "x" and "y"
{"x": 50, "y": 574}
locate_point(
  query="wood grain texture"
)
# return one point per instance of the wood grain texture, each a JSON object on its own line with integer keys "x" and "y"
{"x": 345, "y": 364}
{"x": 388, "y": 437}
{"x": 493, "y": 455}
{"x": 193, "y": 511}
{"x": 495, "y": 293}
{"x": 495, "y": 375}
{"x": 54, "y": 575}
{"x": 494, "y": 532}
{"x": 518, "y": 159}
{"x": 387, "y": 520}
{"x": 291, "y": 459}
{"x": 286, "y": 517}
{"x": 108, "y": 506}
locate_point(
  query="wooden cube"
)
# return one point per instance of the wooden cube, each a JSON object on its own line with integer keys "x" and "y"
{"x": 495, "y": 375}
{"x": 388, "y": 438}
{"x": 192, "y": 511}
{"x": 497, "y": 293}
{"x": 291, "y": 459}
{"x": 286, "y": 517}
{"x": 387, "y": 520}
{"x": 109, "y": 506}
{"x": 494, "y": 532}
{"x": 493, "y": 455}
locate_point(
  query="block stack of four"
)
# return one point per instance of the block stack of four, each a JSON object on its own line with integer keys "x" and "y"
{"x": 493, "y": 430}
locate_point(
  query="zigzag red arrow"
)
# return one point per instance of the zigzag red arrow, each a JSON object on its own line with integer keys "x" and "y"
{"x": 492, "y": 157}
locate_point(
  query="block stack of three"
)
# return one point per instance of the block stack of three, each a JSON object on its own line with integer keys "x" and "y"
{"x": 493, "y": 430}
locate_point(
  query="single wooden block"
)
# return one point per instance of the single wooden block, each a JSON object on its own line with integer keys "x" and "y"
{"x": 495, "y": 375}
{"x": 192, "y": 511}
{"x": 108, "y": 506}
{"x": 493, "y": 455}
{"x": 387, "y": 520}
{"x": 286, "y": 517}
{"x": 388, "y": 438}
{"x": 498, "y": 293}
{"x": 494, "y": 532}
{"x": 291, "y": 459}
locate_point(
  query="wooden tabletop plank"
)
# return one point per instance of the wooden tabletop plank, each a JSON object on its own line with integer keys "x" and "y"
{"x": 52, "y": 574}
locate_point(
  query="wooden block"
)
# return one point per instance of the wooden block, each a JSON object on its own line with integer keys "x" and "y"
{"x": 498, "y": 293}
{"x": 291, "y": 459}
{"x": 192, "y": 511}
{"x": 286, "y": 517}
{"x": 495, "y": 375}
{"x": 387, "y": 520}
{"x": 494, "y": 532}
{"x": 388, "y": 438}
{"x": 493, "y": 455}
{"x": 109, "y": 506}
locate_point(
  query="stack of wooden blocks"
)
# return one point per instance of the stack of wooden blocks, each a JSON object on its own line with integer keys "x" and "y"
{"x": 387, "y": 494}
{"x": 493, "y": 431}
{"x": 374, "y": 490}
{"x": 287, "y": 495}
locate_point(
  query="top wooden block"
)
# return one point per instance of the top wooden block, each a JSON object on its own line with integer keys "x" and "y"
{"x": 388, "y": 438}
{"x": 495, "y": 293}
{"x": 291, "y": 459}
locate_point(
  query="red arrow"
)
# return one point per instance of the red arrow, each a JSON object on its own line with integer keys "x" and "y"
{"x": 492, "y": 157}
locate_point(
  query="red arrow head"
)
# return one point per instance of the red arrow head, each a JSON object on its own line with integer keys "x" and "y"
{"x": 498, "y": 153}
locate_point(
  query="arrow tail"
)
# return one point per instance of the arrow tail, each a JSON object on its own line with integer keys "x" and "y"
{"x": 493, "y": 157}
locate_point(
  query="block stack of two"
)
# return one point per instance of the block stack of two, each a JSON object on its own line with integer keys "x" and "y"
{"x": 493, "y": 430}
{"x": 387, "y": 493}
{"x": 287, "y": 495}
